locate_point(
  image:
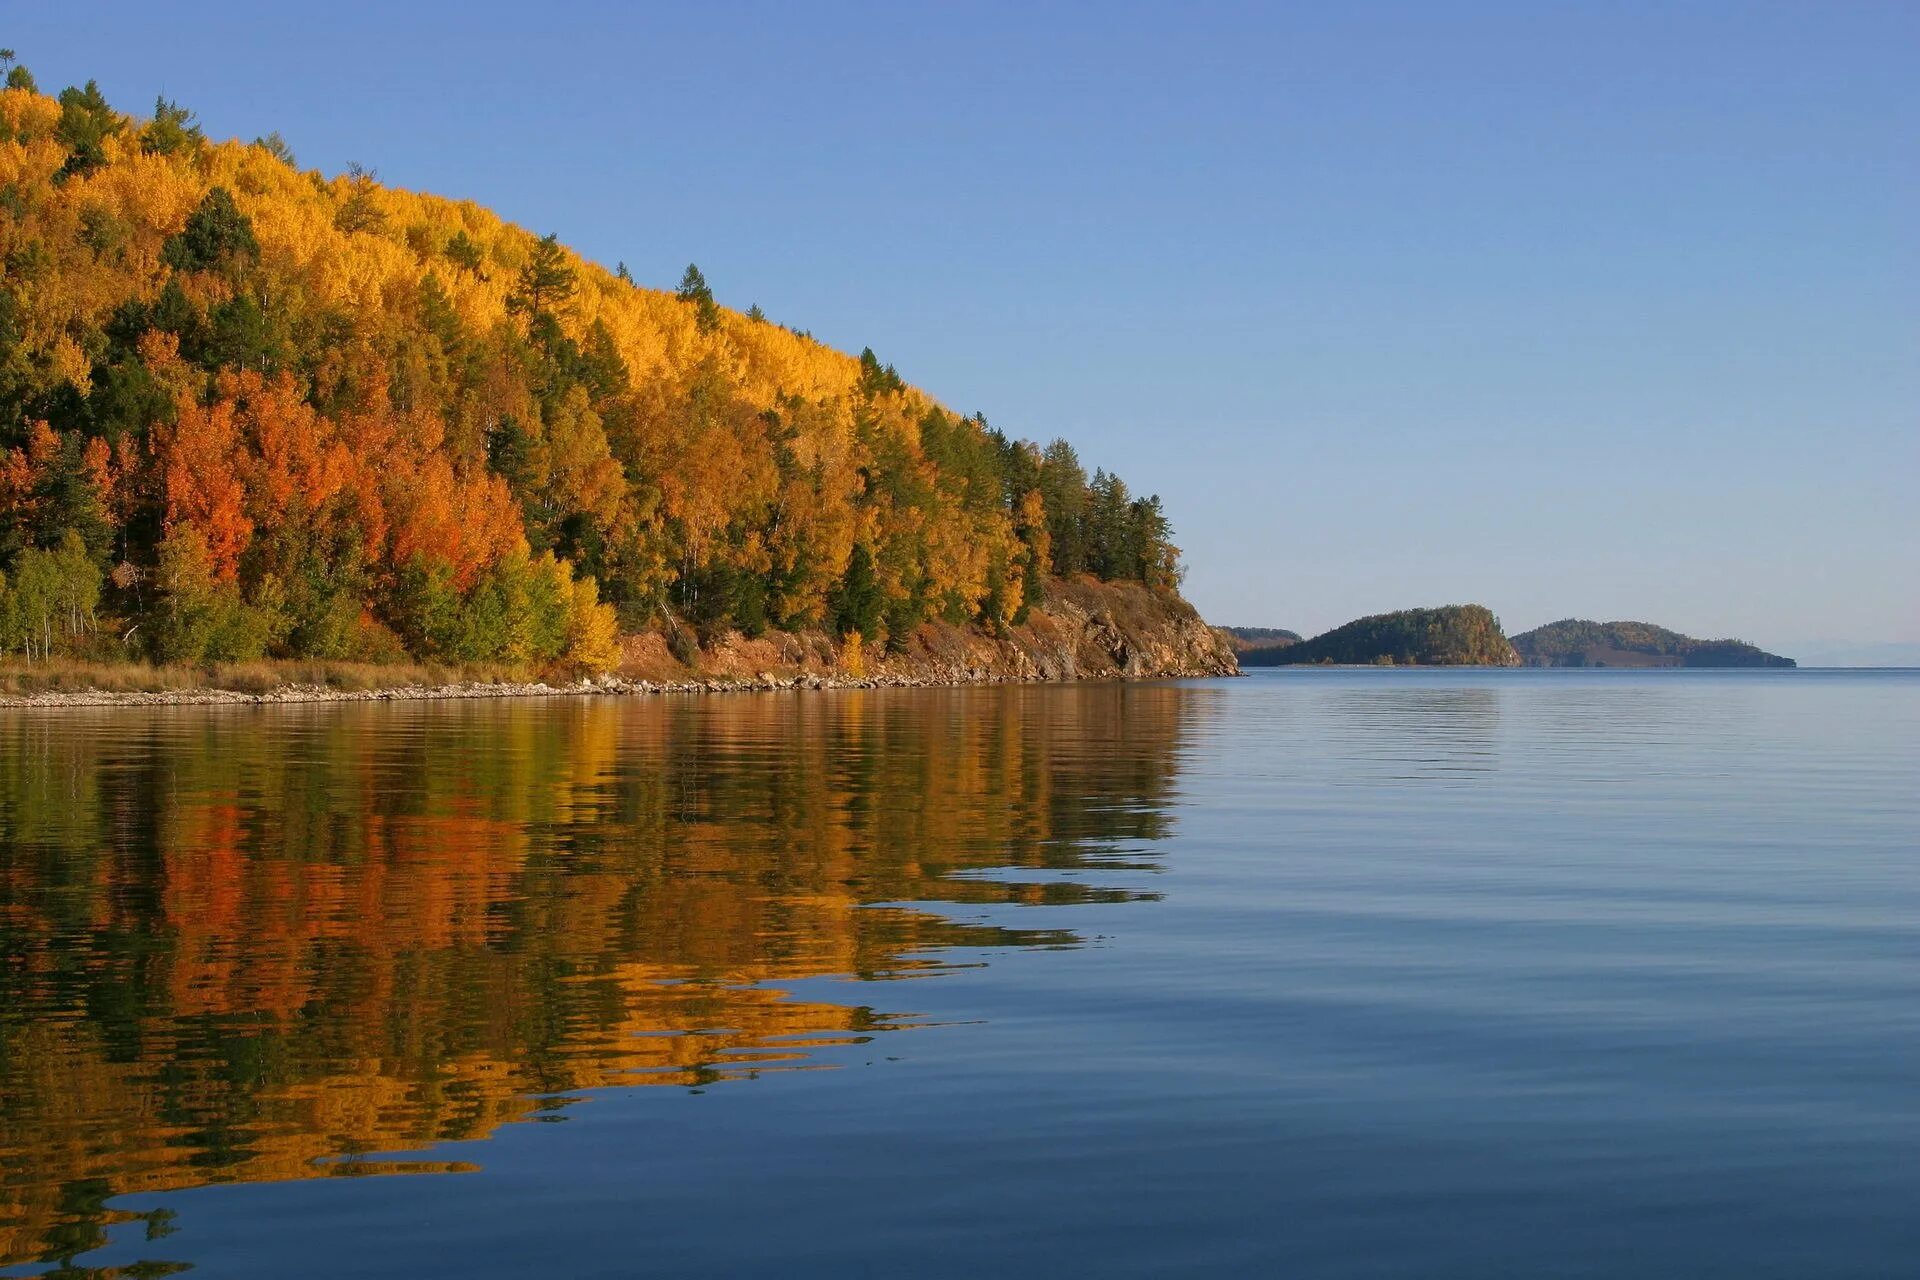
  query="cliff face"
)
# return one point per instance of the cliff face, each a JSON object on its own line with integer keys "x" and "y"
{"x": 1100, "y": 629}
{"x": 1083, "y": 630}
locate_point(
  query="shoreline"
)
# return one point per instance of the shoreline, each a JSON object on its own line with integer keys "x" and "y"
{"x": 1086, "y": 631}
{"x": 604, "y": 686}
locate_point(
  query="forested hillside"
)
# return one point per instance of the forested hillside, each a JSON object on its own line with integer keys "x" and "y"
{"x": 248, "y": 409}
{"x": 1577, "y": 642}
{"x": 1247, "y": 639}
{"x": 1455, "y": 635}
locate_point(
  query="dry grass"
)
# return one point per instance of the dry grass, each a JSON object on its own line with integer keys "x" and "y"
{"x": 1134, "y": 608}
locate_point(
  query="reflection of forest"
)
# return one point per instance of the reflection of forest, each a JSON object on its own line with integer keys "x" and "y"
{"x": 233, "y": 943}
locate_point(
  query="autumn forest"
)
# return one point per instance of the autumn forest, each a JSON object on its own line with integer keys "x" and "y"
{"x": 248, "y": 410}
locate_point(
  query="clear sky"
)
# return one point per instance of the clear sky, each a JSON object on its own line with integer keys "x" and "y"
{"x": 1607, "y": 310}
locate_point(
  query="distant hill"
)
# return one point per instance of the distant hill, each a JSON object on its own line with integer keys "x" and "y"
{"x": 1577, "y": 642}
{"x": 1247, "y": 639}
{"x": 1461, "y": 635}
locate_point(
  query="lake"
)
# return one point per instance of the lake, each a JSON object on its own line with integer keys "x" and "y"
{"x": 1312, "y": 973}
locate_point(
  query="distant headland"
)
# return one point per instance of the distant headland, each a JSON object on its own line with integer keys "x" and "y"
{"x": 1577, "y": 642}
{"x": 1470, "y": 635}
{"x": 1458, "y": 635}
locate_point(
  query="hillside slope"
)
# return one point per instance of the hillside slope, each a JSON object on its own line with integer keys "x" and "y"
{"x": 1083, "y": 629}
{"x": 248, "y": 409}
{"x": 1577, "y": 642}
{"x": 1248, "y": 639}
{"x": 1454, "y": 635}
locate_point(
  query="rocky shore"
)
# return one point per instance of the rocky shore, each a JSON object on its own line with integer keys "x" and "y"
{"x": 1085, "y": 630}
{"x": 595, "y": 686}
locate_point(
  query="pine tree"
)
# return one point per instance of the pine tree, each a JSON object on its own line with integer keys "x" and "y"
{"x": 462, "y": 252}
{"x": 693, "y": 289}
{"x": 877, "y": 379}
{"x": 171, "y": 129}
{"x": 216, "y": 234}
{"x": 1110, "y": 544}
{"x": 86, "y": 122}
{"x": 276, "y": 146}
{"x": 546, "y": 282}
{"x": 1063, "y": 489}
{"x": 18, "y": 77}
{"x": 360, "y": 212}
{"x": 858, "y": 603}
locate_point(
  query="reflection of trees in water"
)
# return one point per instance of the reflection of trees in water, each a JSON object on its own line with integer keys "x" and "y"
{"x": 1406, "y": 734}
{"x": 236, "y": 944}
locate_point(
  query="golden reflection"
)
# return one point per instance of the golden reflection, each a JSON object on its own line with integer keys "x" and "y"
{"x": 253, "y": 944}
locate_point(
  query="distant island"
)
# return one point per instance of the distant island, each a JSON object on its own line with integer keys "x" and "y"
{"x": 1469, "y": 635}
{"x": 1460, "y": 635}
{"x": 1577, "y": 642}
{"x": 1244, "y": 640}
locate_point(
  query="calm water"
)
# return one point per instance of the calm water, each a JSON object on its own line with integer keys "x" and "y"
{"x": 1307, "y": 974}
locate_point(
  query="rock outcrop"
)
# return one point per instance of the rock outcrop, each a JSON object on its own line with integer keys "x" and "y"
{"x": 1083, "y": 630}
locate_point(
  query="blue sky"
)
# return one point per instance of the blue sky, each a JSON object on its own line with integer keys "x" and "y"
{"x": 1606, "y": 310}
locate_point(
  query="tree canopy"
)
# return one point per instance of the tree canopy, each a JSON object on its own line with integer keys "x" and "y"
{"x": 246, "y": 409}
{"x": 1449, "y": 636}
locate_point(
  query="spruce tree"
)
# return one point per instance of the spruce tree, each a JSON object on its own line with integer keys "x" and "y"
{"x": 86, "y": 122}
{"x": 216, "y": 233}
{"x": 546, "y": 282}
{"x": 693, "y": 289}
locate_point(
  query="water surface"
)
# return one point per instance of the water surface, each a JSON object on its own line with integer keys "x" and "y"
{"x": 1312, "y": 973}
